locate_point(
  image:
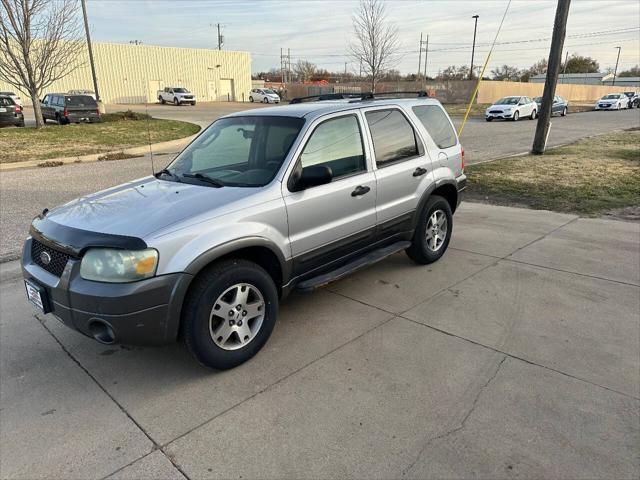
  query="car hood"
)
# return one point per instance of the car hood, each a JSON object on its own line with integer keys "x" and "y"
{"x": 143, "y": 206}
{"x": 501, "y": 107}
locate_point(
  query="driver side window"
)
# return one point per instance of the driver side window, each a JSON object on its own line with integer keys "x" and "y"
{"x": 337, "y": 144}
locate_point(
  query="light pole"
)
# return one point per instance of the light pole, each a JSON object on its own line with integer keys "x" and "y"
{"x": 615, "y": 72}
{"x": 473, "y": 49}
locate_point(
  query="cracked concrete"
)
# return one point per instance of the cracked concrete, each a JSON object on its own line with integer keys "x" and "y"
{"x": 499, "y": 361}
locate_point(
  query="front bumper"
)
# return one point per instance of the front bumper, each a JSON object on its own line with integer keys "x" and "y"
{"x": 146, "y": 312}
{"x": 606, "y": 107}
{"x": 502, "y": 115}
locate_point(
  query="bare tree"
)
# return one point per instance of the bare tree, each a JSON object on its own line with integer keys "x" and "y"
{"x": 506, "y": 72}
{"x": 376, "y": 43}
{"x": 39, "y": 44}
{"x": 305, "y": 70}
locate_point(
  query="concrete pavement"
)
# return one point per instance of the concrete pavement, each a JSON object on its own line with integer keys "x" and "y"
{"x": 517, "y": 355}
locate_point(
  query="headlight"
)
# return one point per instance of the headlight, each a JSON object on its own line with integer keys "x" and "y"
{"x": 118, "y": 266}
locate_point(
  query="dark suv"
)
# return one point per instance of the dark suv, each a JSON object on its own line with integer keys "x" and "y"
{"x": 64, "y": 109}
{"x": 10, "y": 112}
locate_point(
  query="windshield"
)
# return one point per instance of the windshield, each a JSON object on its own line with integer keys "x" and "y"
{"x": 269, "y": 91}
{"x": 238, "y": 151}
{"x": 81, "y": 101}
{"x": 629, "y": 94}
{"x": 180, "y": 90}
{"x": 610, "y": 97}
{"x": 508, "y": 101}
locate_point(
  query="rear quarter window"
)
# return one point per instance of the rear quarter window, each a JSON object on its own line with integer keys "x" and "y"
{"x": 437, "y": 124}
{"x": 393, "y": 136}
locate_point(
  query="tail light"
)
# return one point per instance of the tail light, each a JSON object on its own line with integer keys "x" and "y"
{"x": 18, "y": 109}
{"x": 462, "y": 157}
{"x": 65, "y": 113}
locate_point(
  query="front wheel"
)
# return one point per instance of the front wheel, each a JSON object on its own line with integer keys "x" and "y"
{"x": 488, "y": 119}
{"x": 176, "y": 102}
{"x": 265, "y": 100}
{"x": 533, "y": 115}
{"x": 229, "y": 313}
{"x": 433, "y": 232}
{"x": 516, "y": 116}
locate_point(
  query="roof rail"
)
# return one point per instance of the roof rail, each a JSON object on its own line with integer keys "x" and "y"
{"x": 359, "y": 97}
{"x": 325, "y": 96}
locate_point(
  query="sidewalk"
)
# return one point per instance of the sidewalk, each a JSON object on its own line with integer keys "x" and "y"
{"x": 516, "y": 355}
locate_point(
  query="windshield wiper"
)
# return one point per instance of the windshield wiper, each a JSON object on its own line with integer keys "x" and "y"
{"x": 165, "y": 171}
{"x": 205, "y": 178}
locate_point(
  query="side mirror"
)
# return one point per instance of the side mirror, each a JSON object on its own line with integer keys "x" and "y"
{"x": 312, "y": 176}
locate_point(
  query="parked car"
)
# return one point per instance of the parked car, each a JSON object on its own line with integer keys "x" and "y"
{"x": 176, "y": 95}
{"x": 10, "y": 112}
{"x": 89, "y": 93}
{"x": 613, "y": 101}
{"x": 512, "y": 108}
{"x": 262, "y": 202}
{"x": 634, "y": 99}
{"x": 14, "y": 96}
{"x": 64, "y": 108}
{"x": 264, "y": 95}
{"x": 560, "y": 105}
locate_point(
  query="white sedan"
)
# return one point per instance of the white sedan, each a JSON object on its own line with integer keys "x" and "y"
{"x": 613, "y": 101}
{"x": 264, "y": 95}
{"x": 512, "y": 108}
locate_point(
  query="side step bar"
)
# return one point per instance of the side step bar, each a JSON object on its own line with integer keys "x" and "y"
{"x": 360, "y": 262}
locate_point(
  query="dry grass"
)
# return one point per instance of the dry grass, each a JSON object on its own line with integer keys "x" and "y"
{"x": 20, "y": 144}
{"x": 589, "y": 177}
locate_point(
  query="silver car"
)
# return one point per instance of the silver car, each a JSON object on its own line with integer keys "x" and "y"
{"x": 260, "y": 203}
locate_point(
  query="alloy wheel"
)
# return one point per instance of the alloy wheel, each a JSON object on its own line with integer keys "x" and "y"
{"x": 436, "y": 232}
{"x": 237, "y": 316}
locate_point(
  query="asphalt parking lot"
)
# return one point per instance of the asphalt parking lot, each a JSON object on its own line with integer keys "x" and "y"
{"x": 515, "y": 356}
{"x": 24, "y": 193}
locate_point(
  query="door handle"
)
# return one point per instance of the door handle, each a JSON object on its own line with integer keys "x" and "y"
{"x": 360, "y": 190}
{"x": 419, "y": 171}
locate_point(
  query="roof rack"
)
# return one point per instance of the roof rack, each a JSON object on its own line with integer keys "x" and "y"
{"x": 325, "y": 96}
{"x": 359, "y": 97}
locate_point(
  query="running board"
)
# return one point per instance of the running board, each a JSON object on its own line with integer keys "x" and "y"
{"x": 360, "y": 262}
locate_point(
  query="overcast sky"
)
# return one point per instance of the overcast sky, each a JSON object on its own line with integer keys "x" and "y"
{"x": 320, "y": 30}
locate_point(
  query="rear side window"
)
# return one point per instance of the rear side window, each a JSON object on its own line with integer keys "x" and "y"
{"x": 393, "y": 136}
{"x": 337, "y": 144}
{"x": 437, "y": 124}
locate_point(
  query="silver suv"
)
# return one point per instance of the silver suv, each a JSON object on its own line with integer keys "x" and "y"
{"x": 260, "y": 203}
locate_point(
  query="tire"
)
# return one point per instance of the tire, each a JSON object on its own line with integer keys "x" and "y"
{"x": 251, "y": 99}
{"x": 215, "y": 290}
{"x": 421, "y": 250}
{"x": 265, "y": 100}
{"x": 533, "y": 115}
{"x": 176, "y": 102}
{"x": 21, "y": 124}
{"x": 193, "y": 104}
{"x": 564, "y": 112}
{"x": 60, "y": 120}
{"x": 516, "y": 116}
{"x": 161, "y": 100}
{"x": 488, "y": 119}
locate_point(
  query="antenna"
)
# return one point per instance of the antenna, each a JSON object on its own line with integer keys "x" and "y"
{"x": 146, "y": 111}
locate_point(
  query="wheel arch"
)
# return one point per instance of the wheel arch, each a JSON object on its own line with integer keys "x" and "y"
{"x": 446, "y": 189}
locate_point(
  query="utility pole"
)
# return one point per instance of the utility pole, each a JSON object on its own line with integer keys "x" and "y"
{"x": 426, "y": 57}
{"x": 220, "y": 38}
{"x": 553, "y": 69}
{"x": 420, "y": 58}
{"x": 285, "y": 65}
{"x": 93, "y": 67}
{"x": 473, "y": 49}
{"x": 615, "y": 72}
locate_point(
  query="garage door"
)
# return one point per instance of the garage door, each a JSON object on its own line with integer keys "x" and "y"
{"x": 227, "y": 93}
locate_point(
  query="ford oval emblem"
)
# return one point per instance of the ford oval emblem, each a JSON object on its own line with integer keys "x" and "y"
{"x": 45, "y": 258}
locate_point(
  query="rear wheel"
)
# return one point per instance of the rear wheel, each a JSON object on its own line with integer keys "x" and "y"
{"x": 161, "y": 100}
{"x": 229, "y": 313}
{"x": 516, "y": 116}
{"x": 251, "y": 99}
{"x": 533, "y": 115}
{"x": 564, "y": 112}
{"x": 60, "y": 120}
{"x": 432, "y": 234}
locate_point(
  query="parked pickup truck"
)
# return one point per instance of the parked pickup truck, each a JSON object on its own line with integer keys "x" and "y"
{"x": 176, "y": 95}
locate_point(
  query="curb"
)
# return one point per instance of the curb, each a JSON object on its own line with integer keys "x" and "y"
{"x": 162, "y": 147}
